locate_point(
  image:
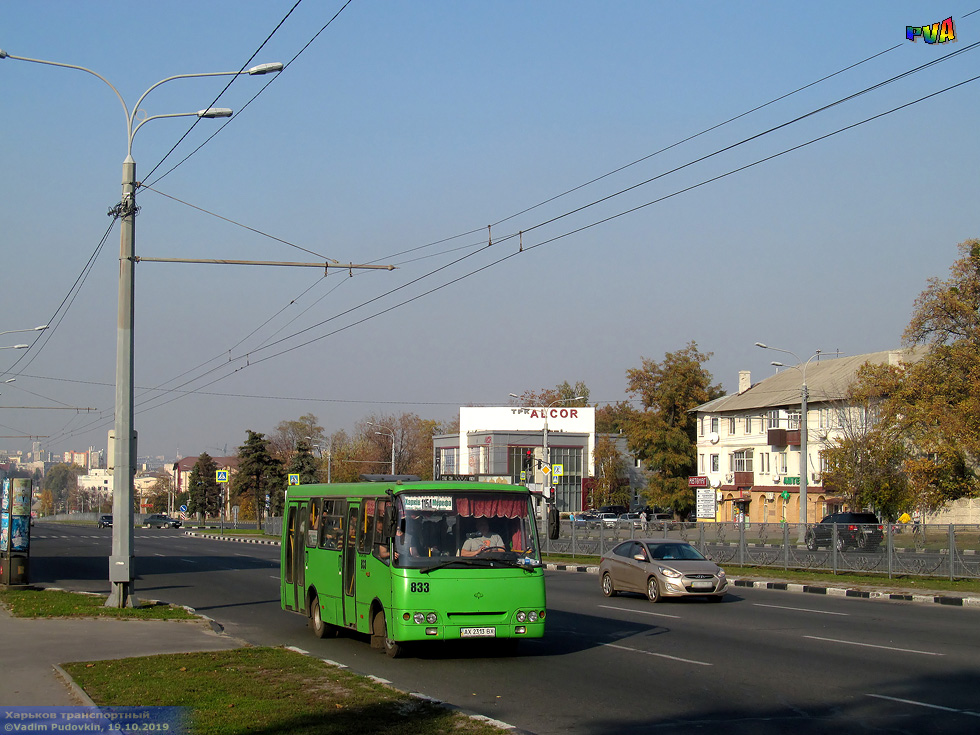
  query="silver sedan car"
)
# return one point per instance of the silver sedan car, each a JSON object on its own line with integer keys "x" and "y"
{"x": 661, "y": 568}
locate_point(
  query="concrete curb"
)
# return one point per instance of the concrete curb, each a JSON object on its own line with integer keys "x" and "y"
{"x": 816, "y": 589}
{"x": 417, "y": 695}
{"x": 237, "y": 539}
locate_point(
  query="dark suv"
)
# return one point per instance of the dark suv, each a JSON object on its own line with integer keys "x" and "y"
{"x": 105, "y": 521}
{"x": 854, "y": 530}
{"x": 161, "y": 521}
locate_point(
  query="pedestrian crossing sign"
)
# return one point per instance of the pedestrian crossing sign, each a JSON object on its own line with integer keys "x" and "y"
{"x": 221, "y": 476}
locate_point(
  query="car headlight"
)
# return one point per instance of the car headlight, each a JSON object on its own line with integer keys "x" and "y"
{"x": 670, "y": 573}
{"x": 721, "y": 574}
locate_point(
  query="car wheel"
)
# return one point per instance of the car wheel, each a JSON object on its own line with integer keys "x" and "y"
{"x": 653, "y": 590}
{"x": 841, "y": 545}
{"x": 607, "y": 586}
{"x": 811, "y": 542}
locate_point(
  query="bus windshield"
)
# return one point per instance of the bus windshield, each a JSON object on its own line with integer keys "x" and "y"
{"x": 464, "y": 528}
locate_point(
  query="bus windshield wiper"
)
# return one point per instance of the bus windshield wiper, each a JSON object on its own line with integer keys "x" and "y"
{"x": 483, "y": 561}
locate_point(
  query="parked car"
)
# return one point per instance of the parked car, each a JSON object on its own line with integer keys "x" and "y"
{"x": 661, "y": 568}
{"x": 627, "y": 520}
{"x": 588, "y": 519}
{"x": 105, "y": 521}
{"x": 609, "y": 520}
{"x": 854, "y": 530}
{"x": 158, "y": 520}
{"x": 617, "y": 509}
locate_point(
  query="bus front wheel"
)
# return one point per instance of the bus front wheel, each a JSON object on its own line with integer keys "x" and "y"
{"x": 320, "y": 628}
{"x": 380, "y": 639}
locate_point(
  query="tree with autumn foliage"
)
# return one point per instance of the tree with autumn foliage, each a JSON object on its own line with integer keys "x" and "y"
{"x": 932, "y": 405}
{"x": 663, "y": 433}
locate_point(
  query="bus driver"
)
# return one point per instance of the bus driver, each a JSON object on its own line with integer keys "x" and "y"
{"x": 483, "y": 541}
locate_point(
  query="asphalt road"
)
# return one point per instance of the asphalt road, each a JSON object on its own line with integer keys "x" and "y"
{"x": 760, "y": 662}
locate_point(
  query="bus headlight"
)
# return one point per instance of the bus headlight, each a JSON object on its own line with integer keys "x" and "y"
{"x": 532, "y": 617}
{"x": 419, "y": 618}
{"x": 431, "y": 618}
{"x": 521, "y": 616}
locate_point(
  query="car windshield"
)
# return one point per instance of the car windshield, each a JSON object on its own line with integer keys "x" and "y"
{"x": 675, "y": 551}
{"x": 464, "y": 528}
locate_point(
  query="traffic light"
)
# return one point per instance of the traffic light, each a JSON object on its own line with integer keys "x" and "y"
{"x": 527, "y": 462}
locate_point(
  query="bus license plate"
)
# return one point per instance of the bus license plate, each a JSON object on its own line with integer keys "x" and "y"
{"x": 477, "y": 632}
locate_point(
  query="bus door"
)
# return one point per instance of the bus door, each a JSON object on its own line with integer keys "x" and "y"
{"x": 294, "y": 557}
{"x": 350, "y": 564}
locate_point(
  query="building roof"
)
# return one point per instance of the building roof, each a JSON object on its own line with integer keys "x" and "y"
{"x": 186, "y": 464}
{"x": 826, "y": 380}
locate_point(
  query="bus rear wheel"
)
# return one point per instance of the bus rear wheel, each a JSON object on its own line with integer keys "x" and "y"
{"x": 380, "y": 639}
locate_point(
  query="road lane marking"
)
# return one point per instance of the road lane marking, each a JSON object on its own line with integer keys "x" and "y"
{"x": 189, "y": 561}
{"x": 803, "y": 609}
{"x": 926, "y": 704}
{"x": 658, "y": 655}
{"x": 641, "y": 612}
{"x": 872, "y": 645}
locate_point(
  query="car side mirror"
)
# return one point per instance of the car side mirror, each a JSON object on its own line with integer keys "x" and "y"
{"x": 389, "y": 521}
{"x": 640, "y": 557}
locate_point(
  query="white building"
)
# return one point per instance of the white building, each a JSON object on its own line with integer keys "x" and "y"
{"x": 494, "y": 444}
{"x": 748, "y": 443}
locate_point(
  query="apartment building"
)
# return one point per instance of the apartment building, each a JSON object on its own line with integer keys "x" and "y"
{"x": 749, "y": 442}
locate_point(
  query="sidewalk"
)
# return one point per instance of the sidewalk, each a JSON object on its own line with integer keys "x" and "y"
{"x": 31, "y": 648}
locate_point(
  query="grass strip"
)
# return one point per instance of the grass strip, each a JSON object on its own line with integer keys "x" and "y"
{"x": 267, "y": 690}
{"x": 35, "y": 603}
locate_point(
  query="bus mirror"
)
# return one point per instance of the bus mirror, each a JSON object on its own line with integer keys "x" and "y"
{"x": 554, "y": 524}
{"x": 389, "y": 521}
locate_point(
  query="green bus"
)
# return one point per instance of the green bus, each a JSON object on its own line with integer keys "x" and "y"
{"x": 413, "y": 561}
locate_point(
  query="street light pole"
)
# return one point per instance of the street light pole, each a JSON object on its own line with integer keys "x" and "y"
{"x": 804, "y": 409}
{"x": 390, "y": 433}
{"x": 121, "y": 573}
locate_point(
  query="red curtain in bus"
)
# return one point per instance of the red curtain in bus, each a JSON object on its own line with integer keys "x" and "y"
{"x": 498, "y": 507}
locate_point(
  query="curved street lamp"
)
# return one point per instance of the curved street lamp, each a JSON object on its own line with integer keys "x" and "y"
{"x": 32, "y": 329}
{"x": 391, "y": 433}
{"x": 804, "y": 396}
{"x": 124, "y": 453}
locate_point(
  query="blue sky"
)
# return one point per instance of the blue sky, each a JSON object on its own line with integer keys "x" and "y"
{"x": 404, "y": 125}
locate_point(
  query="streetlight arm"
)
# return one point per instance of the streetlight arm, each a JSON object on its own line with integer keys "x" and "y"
{"x": 5, "y": 55}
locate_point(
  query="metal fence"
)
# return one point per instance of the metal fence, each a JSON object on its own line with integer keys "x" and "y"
{"x": 950, "y": 551}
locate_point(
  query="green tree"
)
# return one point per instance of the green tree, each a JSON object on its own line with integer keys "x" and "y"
{"x": 259, "y": 475}
{"x": 304, "y": 464}
{"x": 611, "y": 484}
{"x": 202, "y": 487}
{"x": 61, "y": 480}
{"x": 564, "y": 393}
{"x": 932, "y": 405}
{"x": 284, "y": 441}
{"x": 663, "y": 433}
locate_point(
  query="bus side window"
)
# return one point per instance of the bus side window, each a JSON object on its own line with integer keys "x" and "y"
{"x": 329, "y": 526}
{"x": 381, "y": 549}
{"x": 313, "y": 529}
{"x": 366, "y": 526}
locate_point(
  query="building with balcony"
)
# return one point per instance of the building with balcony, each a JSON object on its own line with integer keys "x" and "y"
{"x": 748, "y": 443}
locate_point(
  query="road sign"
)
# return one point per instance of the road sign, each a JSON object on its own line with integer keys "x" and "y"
{"x": 221, "y": 476}
{"x": 183, "y": 509}
{"x": 294, "y": 478}
{"x": 545, "y": 469}
{"x": 557, "y": 470}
